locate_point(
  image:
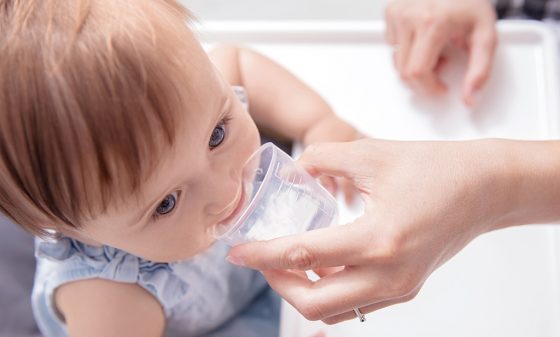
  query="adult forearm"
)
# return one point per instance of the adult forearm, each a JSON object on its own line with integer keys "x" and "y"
{"x": 531, "y": 172}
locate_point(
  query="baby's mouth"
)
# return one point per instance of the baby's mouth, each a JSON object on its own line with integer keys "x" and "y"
{"x": 236, "y": 209}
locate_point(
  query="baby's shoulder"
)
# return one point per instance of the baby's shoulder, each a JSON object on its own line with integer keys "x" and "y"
{"x": 138, "y": 312}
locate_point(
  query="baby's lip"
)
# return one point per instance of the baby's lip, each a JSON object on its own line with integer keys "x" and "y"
{"x": 237, "y": 208}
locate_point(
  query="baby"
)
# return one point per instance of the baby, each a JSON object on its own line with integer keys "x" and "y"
{"x": 121, "y": 147}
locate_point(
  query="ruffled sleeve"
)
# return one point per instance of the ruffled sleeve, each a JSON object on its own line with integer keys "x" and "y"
{"x": 68, "y": 260}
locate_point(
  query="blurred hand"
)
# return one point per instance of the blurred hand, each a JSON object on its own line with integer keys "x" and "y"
{"x": 424, "y": 201}
{"x": 421, "y": 29}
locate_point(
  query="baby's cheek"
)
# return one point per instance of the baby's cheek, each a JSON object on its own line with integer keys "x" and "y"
{"x": 195, "y": 245}
{"x": 253, "y": 138}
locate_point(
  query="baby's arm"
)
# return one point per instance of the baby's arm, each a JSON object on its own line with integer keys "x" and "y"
{"x": 281, "y": 104}
{"x": 97, "y": 307}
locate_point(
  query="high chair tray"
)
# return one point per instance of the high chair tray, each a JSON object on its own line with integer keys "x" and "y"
{"x": 504, "y": 283}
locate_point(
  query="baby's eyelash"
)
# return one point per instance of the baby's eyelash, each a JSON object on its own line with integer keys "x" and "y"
{"x": 223, "y": 127}
{"x": 227, "y": 118}
{"x": 156, "y": 216}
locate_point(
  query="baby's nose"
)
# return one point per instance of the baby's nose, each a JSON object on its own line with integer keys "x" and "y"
{"x": 222, "y": 193}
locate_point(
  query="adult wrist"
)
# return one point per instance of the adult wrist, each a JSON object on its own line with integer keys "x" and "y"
{"x": 529, "y": 176}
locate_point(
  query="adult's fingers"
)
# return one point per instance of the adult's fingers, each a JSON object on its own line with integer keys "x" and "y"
{"x": 326, "y": 247}
{"x": 350, "y": 315}
{"x": 405, "y": 37}
{"x": 424, "y": 55}
{"x": 323, "y": 272}
{"x": 349, "y": 191}
{"x": 335, "y": 294}
{"x": 481, "y": 55}
{"x": 329, "y": 184}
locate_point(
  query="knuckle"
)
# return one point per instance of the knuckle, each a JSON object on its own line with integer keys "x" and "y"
{"x": 410, "y": 296}
{"x": 389, "y": 250}
{"x": 480, "y": 78}
{"x": 406, "y": 20}
{"x": 415, "y": 72}
{"x": 429, "y": 20}
{"x": 405, "y": 17}
{"x": 404, "y": 77}
{"x": 300, "y": 258}
{"x": 406, "y": 287}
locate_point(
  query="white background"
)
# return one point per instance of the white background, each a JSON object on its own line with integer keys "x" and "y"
{"x": 286, "y": 9}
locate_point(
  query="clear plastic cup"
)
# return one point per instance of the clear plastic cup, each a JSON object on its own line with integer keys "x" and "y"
{"x": 279, "y": 198}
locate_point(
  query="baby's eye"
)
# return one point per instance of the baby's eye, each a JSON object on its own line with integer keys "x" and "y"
{"x": 167, "y": 204}
{"x": 218, "y": 135}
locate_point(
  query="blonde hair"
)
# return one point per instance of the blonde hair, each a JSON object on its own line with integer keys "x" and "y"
{"x": 90, "y": 95}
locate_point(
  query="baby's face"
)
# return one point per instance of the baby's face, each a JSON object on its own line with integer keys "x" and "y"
{"x": 197, "y": 184}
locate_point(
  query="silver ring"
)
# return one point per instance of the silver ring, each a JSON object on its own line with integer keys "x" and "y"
{"x": 359, "y": 315}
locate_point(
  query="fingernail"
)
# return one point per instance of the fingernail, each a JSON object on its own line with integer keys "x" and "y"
{"x": 236, "y": 260}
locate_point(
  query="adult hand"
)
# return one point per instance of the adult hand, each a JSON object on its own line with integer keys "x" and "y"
{"x": 424, "y": 201}
{"x": 421, "y": 29}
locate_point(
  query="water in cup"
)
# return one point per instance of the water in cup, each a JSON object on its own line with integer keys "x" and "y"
{"x": 281, "y": 199}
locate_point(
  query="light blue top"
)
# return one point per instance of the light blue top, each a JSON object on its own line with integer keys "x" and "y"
{"x": 203, "y": 296}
